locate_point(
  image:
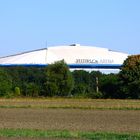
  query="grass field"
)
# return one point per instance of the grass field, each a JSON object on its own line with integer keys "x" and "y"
{"x": 67, "y": 134}
{"x": 69, "y": 119}
{"x": 96, "y": 104}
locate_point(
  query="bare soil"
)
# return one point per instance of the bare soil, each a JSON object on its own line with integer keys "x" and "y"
{"x": 71, "y": 119}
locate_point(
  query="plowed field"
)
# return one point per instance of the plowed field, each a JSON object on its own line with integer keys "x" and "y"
{"x": 71, "y": 119}
{"x": 74, "y": 115}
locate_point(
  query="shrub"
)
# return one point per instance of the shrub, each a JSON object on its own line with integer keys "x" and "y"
{"x": 17, "y": 91}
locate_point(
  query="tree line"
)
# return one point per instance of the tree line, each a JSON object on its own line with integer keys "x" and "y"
{"x": 56, "y": 80}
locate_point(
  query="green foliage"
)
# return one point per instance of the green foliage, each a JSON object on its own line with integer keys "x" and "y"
{"x": 133, "y": 90}
{"x": 131, "y": 69}
{"x": 82, "y": 82}
{"x": 64, "y": 134}
{"x": 5, "y": 83}
{"x": 59, "y": 81}
{"x": 109, "y": 86}
{"x": 95, "y": 95}
{"x": 17, "y": 91}
{"x": 93, "y": 76}
{"x": 130, "y": 77}
{"x": 85, "y": 84}
{"x": 32, "y": 90}
{"x": 26, "y": 78}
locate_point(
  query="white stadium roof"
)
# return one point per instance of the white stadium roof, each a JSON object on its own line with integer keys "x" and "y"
{"x": 75, "y": 56}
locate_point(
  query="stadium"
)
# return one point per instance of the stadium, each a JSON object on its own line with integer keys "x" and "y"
{"x": 75, "y": 55}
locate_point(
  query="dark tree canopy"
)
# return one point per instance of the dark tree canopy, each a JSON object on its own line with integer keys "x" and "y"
{"x": 59, "y": 79}
{"x": 131, "y": 69}
{"x": 82, "y": 82}
{"x": 130, "y": 77}
{"x": 5, "y": 83}
{"x": 109, "y": 86}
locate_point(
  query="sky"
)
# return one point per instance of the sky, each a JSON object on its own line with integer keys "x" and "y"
{"x": 33, "y": 24}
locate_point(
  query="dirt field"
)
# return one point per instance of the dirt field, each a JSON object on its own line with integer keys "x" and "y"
{"x": 71, "y": 119}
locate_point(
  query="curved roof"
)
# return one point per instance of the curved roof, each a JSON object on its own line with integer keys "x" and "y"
{"x": 75, "y": 56}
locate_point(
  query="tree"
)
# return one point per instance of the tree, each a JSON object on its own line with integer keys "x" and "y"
{"x": 130, "y": 77}
{"x": 82, "y": 82}
{"x": 59, "y": 80}
{"x": 22, "y": 76}
{"x": 32, "y": 90}
{"x": 93, "y": 80}
{"x": 86, "y": 84}
{"x": 5, "y": 83}
{"x": 131, "y": 69}
{"x": 109, "y": 86}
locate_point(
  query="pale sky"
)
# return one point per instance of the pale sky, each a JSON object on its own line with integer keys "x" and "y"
{"x": 28, "y": 24}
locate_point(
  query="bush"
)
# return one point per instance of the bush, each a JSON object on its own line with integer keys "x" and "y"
{"x": 17, "y": 91}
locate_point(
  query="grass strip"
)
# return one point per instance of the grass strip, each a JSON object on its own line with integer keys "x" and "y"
{"x": 70, "y": 107}
{"x": 68, "y": 134}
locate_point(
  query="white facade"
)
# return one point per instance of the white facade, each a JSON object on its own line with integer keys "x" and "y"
{"x": 75, "y": 56}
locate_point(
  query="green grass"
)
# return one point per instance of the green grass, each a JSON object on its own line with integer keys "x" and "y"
{"x": 68, "y": 134}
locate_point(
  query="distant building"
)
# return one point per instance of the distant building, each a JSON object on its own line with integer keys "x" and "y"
{"x": 75, "y": 55}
